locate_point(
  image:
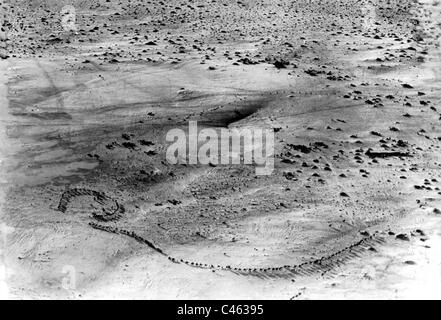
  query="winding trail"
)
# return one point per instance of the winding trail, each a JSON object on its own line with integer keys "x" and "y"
{"x": 113, "y": 214}
{"x": 322, "y": 266}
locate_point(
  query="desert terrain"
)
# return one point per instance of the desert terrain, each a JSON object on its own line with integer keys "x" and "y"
{"x": 91, "y": 209}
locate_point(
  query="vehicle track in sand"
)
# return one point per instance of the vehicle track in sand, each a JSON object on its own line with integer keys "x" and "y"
{"x": 325, "y": 265}
{"x": 322, "y": 266}
{"x": 109, "y": 213}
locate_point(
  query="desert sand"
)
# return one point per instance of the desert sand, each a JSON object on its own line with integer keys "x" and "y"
{"x": 351, "y": 89}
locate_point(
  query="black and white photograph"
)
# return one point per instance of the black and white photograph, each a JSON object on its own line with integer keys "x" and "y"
{"x": 243, "y": 150}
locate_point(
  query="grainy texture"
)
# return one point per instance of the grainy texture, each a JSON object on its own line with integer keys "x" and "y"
{"x": 90, "y": 88}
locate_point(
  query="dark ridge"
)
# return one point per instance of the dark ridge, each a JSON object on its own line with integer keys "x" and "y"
{"x": 382, "y": 154}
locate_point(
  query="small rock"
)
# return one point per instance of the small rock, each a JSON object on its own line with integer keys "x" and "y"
{"x": 403, "y": 237}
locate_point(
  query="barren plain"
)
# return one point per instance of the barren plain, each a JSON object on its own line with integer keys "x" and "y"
{"x": 350, "y": 87}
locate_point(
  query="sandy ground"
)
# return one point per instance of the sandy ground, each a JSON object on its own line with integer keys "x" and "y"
{"x": 352, "y": 209}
